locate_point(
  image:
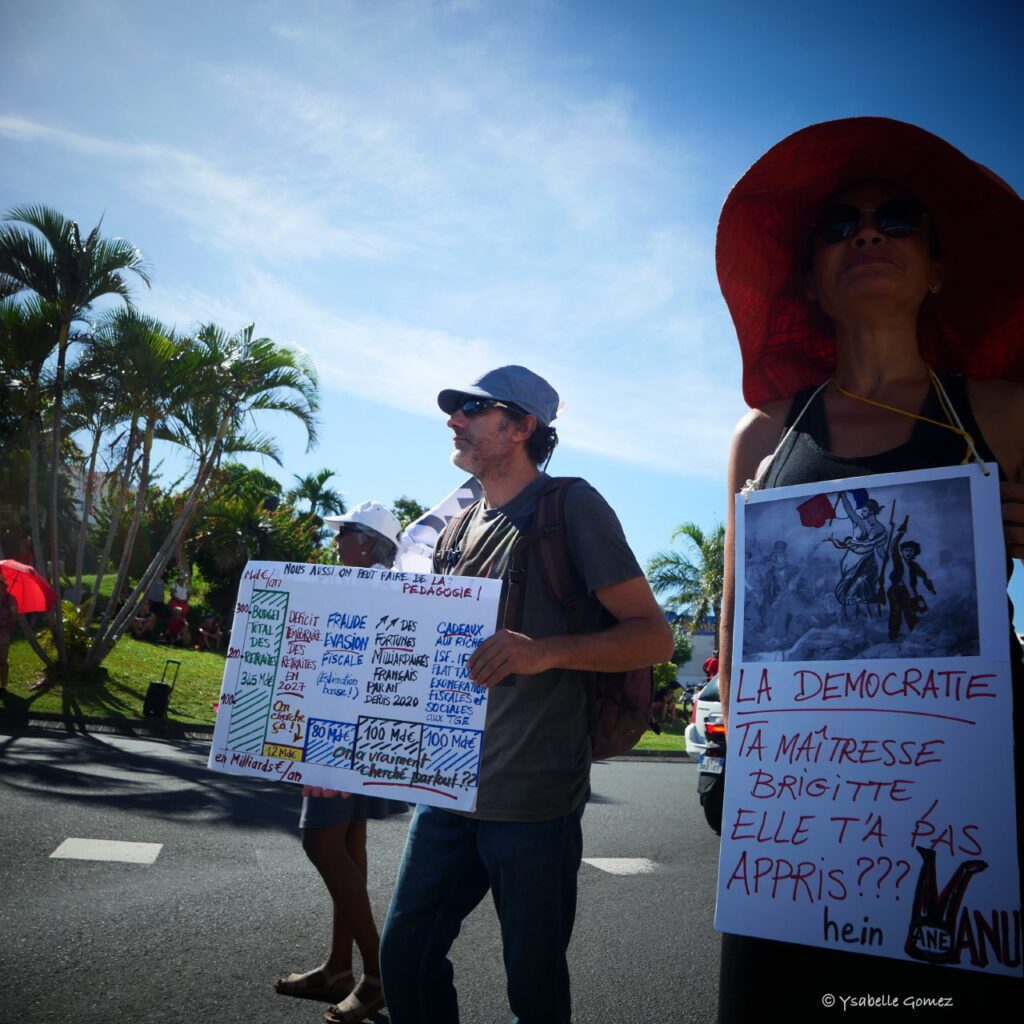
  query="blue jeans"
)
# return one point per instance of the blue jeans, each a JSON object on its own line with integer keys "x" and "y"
{"x": 449, "y": 864}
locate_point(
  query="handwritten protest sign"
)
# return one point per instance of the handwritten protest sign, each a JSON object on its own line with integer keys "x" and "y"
{"x": 869, "y": 800}
{"x": 355, "y": 679}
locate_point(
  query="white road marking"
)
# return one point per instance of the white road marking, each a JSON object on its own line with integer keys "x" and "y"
{"x": 108, "y": 849}
{"x": 622, "y": 865}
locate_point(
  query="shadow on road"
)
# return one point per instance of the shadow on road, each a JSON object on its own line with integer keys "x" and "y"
{"x": 160, "y": 778}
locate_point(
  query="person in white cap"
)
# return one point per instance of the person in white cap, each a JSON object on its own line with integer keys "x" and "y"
{"x": 334, "y": 825}
{"x": 523, "y": 842}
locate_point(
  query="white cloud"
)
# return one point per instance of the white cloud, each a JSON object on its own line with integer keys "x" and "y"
{"x": 651, "y": 415}
{"x": 235, "y": 212}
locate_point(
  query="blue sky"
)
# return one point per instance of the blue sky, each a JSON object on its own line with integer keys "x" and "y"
{"x": 415, "y": 192}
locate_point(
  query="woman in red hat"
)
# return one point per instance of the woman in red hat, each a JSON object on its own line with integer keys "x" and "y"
{"x": 875, "y": 275}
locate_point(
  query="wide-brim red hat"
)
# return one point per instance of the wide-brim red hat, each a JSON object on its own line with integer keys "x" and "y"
{"x": 975, "y": 325}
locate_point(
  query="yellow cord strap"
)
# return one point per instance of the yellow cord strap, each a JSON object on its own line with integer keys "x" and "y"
{"x": 951, "y": 425}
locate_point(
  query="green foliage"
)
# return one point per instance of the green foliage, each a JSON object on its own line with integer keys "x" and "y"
{"x": 323, "y": 500}
{"x": 683, "y": 653}
{"x": 77, "y": 636}
{"x": 59, "y": 265}
{"x": 665, "y": 674}
{"x": 238, "y": 526}
{"x": 158, "y": 515}
{"x": 234, "y": 479}
{"x": 408, "y": 510}
{"x": 692, "y": 579}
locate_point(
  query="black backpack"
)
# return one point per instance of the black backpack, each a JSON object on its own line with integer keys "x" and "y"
{"x": 619, "y": 704}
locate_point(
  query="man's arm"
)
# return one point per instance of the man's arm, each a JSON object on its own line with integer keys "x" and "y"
{"x": 642, "y": 636}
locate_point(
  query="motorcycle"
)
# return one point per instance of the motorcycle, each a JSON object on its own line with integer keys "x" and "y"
{"x": 711, "y": 776}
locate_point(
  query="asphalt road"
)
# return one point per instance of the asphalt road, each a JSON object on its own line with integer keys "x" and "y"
{"x": 231, "y": 902}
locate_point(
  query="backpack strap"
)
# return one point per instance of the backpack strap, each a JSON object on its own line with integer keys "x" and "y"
{"x": 547, "y": 535}
{"x": 448, "y": 552}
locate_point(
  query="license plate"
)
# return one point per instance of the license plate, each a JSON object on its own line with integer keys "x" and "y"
{"x": 713, "y": 765}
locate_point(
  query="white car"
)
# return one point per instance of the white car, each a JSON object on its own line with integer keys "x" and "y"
{"x": 706, "y": 721}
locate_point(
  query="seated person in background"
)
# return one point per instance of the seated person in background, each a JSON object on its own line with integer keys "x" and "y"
{"x": 177, "y": 628}
{"x": 209, "y": 634}
{"x": 144, "y": 621}
{"x": 665, "y": 701}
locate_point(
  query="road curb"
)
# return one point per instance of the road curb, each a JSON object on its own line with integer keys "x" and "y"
{"x": 655, "y": 755}
{"x": 159, "y": 728}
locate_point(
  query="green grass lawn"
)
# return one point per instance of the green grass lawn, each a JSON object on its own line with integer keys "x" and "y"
{"x": 106, "y": 589}
{"x": 131, "y": 666}
{"x": 671, "y": 738}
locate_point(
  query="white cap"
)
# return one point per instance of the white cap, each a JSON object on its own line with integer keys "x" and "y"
{"x": 373, "y": 516}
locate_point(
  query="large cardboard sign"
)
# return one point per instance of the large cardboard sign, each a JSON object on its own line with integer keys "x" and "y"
{"x": 869, "y": 801}
{"x": 355, "y": 679}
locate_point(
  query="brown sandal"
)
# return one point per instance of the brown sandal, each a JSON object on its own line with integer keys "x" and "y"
{"x": 352, "y": 1009}
{"x": 316, "y": 984}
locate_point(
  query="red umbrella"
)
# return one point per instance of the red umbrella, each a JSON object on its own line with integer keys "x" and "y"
{"x": 27, "y": 587}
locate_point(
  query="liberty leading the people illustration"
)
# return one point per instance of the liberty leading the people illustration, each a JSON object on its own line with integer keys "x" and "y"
{"x": 864, "y": 554}
{"x": 906, "y": 604}
{"x": 779, "y": 578}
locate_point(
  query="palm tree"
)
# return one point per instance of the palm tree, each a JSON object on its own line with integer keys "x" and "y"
{"x": 68, "y": 273}
{"x": 95, "y": 406}
{"x": 692, "y": 579}
{"x": 322, "y": 500}
{"x": 151, "y": 369}
{"x": 231, "y": 378}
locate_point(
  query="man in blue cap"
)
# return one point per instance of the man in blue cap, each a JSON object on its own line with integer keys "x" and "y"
{"x": 523, "y": 841}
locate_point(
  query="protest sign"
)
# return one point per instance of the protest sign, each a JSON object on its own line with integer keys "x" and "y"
{"x": 870, "y": 781}
{"x": 356, "y": 680}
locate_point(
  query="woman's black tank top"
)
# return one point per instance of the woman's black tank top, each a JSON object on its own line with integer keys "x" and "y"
{"x": 805, "y": 457}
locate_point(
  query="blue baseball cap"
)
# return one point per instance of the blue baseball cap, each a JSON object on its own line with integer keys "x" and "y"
{"x": 514, "y": 384}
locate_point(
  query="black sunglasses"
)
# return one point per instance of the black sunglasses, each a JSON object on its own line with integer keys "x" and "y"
{"x": 895, "y": 218}
{"x": 475, "y": 406}
{"x": 349, "y": 528}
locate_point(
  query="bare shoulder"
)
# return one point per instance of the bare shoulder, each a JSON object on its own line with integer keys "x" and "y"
{"x": 756, "y": 437}
{"x": 998, "y": 406}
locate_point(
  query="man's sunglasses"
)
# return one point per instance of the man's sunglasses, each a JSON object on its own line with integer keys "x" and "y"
{"x": 894, "y": 218}
{"x": 470, "y": 407}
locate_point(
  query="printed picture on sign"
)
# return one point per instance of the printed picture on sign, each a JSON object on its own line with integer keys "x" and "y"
{"x": 885, "y": 573}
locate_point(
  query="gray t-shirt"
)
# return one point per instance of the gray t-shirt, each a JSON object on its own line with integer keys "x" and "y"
{"x": 536, "y": 756}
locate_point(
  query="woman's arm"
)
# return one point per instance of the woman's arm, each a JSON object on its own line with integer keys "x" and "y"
{"x": 755, "y": 439}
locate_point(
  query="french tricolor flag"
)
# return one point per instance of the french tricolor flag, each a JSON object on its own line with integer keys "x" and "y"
{"x": 819, "y": 510}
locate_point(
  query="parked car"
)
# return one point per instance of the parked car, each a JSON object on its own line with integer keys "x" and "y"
{"x": 705, "y": 740}
{"x": 706, "y": 721}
